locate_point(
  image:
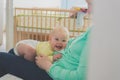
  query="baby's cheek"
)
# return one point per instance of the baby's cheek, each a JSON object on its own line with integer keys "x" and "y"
{"x": 64, "y": 45}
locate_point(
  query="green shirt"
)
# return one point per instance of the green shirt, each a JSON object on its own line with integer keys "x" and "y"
{"x": 73, "y": 64}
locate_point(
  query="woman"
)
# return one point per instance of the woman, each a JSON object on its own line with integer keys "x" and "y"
{"x": 72, "y": 65}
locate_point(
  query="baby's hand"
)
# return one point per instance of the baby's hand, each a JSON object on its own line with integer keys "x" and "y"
{"x": 57, "y": 56}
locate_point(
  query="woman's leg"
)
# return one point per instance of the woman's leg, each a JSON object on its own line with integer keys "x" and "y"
{"x": 20, "y": 67}
{"x": 2, "y": 71}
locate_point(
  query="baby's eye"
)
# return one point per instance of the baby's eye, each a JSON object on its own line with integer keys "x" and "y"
{"x": 63, "y": 40}
{"x": 56, "y": 39}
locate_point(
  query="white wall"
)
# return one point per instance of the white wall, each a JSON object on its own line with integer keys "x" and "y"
{"x": 77, "y": 3}
{"x": 68, "y": 4}
{"x": 36, "y": 3}
{"x": 1, "y": 19}
{"x": 104, "y": 59}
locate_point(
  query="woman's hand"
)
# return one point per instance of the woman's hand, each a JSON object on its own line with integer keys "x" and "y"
{"x": 57, "y": 56}
{"x": 43, "y": 62}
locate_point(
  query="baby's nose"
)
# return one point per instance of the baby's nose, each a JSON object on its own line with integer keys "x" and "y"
{"x": 59, "y": 42}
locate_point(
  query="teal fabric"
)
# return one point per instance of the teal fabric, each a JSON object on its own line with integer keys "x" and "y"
{"x": 73, "y": 64}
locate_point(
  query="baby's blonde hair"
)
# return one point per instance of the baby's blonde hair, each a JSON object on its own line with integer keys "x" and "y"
{"x": 60, "y": 29}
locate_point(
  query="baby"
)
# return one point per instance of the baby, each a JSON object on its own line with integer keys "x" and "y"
{"x": 58, "y": 39}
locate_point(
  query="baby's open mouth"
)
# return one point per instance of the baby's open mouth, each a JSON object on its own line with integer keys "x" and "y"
{"x": 58, "y": 46}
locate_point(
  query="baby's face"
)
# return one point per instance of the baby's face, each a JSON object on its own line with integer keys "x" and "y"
{"x": 58, "y": 41}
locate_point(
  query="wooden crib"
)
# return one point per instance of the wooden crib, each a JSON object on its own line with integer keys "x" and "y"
{"x": 36, "y": 23}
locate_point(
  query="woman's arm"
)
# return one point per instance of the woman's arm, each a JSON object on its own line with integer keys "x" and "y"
{"x": 57, "y": 72}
